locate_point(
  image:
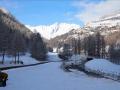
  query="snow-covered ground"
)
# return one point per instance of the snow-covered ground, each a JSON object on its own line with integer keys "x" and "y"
{"x": 50, "y": 76}
{"x": 76, "y": 60}
{"x": 25, "y": 58}
{"x": 53, "y": 57}
{"x": 104, "y": 67}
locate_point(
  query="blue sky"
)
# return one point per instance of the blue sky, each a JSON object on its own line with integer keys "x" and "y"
{"x": 42, "y": 12}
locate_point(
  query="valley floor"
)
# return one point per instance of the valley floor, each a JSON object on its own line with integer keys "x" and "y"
{"x": 50, "y": 76}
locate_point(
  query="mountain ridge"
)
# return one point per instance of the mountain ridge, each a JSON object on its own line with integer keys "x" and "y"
{"x": 106, "y": 20}
{"x": 53, "y": 30}
{"x": 108, "y": 28}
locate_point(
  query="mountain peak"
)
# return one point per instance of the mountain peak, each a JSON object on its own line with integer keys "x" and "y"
{"x": 53, "y": 30}
{"x": 3, "y": 10}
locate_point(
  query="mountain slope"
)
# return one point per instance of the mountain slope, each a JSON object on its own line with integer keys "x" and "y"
{"x": 107, "y": 20}
{"x": 13, "y": 34}
{"x": 9, "y": 22}
{"x": 16, "y": 38}
{"x": 108, "y": 26}
{"x": 51, "y": 31}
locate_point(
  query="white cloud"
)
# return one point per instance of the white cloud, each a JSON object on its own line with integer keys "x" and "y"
{"x": 93, "y": 11}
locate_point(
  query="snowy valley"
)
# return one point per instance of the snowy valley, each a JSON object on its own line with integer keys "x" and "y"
{"x": 51, "y": 77}
{"x": 63, "y": 52}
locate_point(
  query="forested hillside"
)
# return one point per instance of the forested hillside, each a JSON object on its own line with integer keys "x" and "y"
{"x": 16, "y": 39}
{"x": 101, "y": 40}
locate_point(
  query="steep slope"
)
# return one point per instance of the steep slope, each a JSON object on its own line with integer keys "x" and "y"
{"x": 69, "y": 37}
{"x": 9, "y": 22}
{"x": 51, "y": 31}
{"x": 15, "y": 38}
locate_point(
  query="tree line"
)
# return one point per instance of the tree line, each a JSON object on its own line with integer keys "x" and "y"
{"x": 94, "y": 45}
{"x": 14, "y": 43}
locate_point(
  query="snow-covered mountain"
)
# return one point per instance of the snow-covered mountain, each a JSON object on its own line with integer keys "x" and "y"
{"x": 107, "y": 20}
{"x": 4, "y": 10}
{"x": 109, "y": 26}
{"x": 51, "y": 31}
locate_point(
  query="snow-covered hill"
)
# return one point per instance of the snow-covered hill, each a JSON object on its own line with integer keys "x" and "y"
{"x": 106, "y": 25}
{"x": 56, "y": 29}
{"x": 107, "y": 20}
{"x": 4, "y": 10}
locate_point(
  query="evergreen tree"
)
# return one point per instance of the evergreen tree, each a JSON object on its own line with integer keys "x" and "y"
{"x": 99, "y": 45}
{"x": 38, "y": 48}
{"x": 111, "y": 51}
{"x": 75, "y": 46}
{"x": 114, "y": 54}
{"x": 79, "y": 45}
{"x": 89, "y": 45}
{"x": 103, "y": 45}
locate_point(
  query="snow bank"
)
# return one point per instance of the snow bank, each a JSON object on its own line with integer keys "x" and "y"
{"x": 26, "y": 59}
{"x": 103, "y": 67}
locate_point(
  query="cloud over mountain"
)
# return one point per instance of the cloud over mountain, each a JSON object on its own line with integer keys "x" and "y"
{"x": 93, "y": 11}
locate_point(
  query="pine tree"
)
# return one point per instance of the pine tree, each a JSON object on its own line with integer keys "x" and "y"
{"x": 111, "y": 51}
{"x": 114, "y": 54}
{"x": 38, "y": 48}
{"x": 79, "y": 45}
{"x": 103, "y": 44}
{"x": 98, "y": 44}
{"x": 89, "y": 45}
